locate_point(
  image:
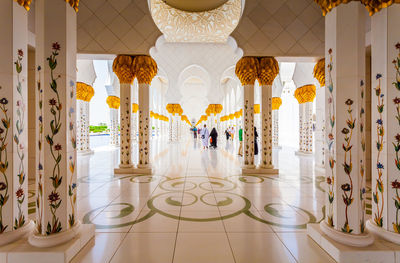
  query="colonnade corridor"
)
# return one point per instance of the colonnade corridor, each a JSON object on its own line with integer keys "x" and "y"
{"x": 197, "y": 207}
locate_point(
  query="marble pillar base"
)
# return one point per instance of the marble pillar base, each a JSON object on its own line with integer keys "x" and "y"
{"x": 133, "y": 170}
{"x": 87, "y": 152}
{"x": 382, "y": 233}
{"x": 258, "y": 170}
{"x": 379, "y": 251}
{"x": 301, "y": 153}
{"x": 11, "y": 236}
{"x": 21, "y": 251}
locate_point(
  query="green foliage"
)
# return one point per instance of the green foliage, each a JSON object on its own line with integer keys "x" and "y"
{"x": 100, "y": 128}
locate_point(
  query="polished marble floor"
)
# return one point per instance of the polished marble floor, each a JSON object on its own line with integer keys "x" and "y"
{"x": 197, "y": 207}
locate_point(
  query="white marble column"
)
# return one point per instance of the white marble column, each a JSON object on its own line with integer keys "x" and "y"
{"x": 319, "y": 74}
{"x": 113, "y": 103}
{"x": 267, "y": 71}
{"x": 275, "y": 128}
{"x": 345, "y": 74}
{"x": 14, "y": 221}
{"x": 122, "y": 67}
{"x": 246, "y": 70}
{"x": 84, "y": 94}
{"x": 56, "y": 212}
{"x": 145, "y": 70}
{"x": 305, "y": 93}
{"x": 135, "y": 109}
{"x": 385, "y": 99}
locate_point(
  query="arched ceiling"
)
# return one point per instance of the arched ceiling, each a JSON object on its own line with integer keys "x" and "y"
{"x": 195, "y": 5}
{"x": 267, "y": 28}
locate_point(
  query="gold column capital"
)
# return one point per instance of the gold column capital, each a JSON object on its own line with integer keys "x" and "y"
{"x": 268, "y": 70}
{"x": 328, "y": 5}
{"x": 74, "y": 4}
{"x": 374, "y": 6}
{"x": 122, "y": 67}
{"x": 174, "y": 108}
{"x": 257, "y": 109}
{"x": 247, "y": 70}
{"x": 113, "y": 102}
{"x": 145, "y": 68}
{"x": 305, "y": 93}
{"x": 319, "y": 72}
{"x": 25, "y": 3}
{"x": 276, "y": 103}
{"x": 84, "y": 91}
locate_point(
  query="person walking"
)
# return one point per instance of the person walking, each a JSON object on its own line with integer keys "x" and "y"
{"x": 195, "y": 132}
{"x": 227, "y": 134}
{"x": 204, "y": 135}
{"x": 255, "y": 141}
{"x": 214, "y": 135}
{"x": 240, "y": 152}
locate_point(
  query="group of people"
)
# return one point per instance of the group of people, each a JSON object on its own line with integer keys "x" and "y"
{"x": 229, "y": 133}
{"x": 207, "y": 137}
{"x": 211, "y": 137}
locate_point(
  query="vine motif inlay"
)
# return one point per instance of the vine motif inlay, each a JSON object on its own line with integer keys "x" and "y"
{"x": 19, "y": 128}
{"x": 55, "y": 125}
{"x": 378, "y": 195}
{"x": 40, "y": 179}
{"x": 330, "y": 179}
{"x": 4, "y": 127}
{"x": 362, "y": 166}
{"x": 347, "y": 146}
{"x": 396, "y": 143}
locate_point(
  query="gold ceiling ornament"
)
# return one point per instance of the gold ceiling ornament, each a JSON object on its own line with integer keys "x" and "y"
{"x": 84, "y": 91}
{"x": 113, "y": 102}
{"x": 247, "y": 70}
{"x": 257, "y": 109}
{"x": 208, "y": 26}
{"x": 122, "y": 67}
{"x": 268, "y": 70}
{"x": 305, "y": 94}
{"x": 145, "y": 68}
{"x": 25, "y": 3}
{"x": 328, "y": 5}
{"x": 74, "y": 4}
{"x": 135, "y": 107}
{"x": 319, "y": 72}
{"x": 374, "y": 6}
{"x": 276, "y": 103}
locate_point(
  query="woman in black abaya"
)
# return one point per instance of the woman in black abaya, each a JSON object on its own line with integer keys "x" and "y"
{"x": 214, "y": 136}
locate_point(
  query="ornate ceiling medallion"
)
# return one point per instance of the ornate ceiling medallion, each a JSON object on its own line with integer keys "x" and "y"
{"x": 212, "y": 26}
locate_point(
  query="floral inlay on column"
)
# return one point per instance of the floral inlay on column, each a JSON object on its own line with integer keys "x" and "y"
{"x": 19, "y": 127}
{"x": 39, "y": 173}
{"x": 396, "y": 144}
{"x": 122, "y": 66}
{"x": 347, "y": 188}
{"x": 72, "y": 158}
{"x": 4, "y": 127}
{"x": 363, "y": 148}
{"x": 379, "y": 191}
{"x": 247, "y": 72}
{"x": 55, "y": 125}
{"x": 267, "y": 72}
{"x": 330, "y": 179}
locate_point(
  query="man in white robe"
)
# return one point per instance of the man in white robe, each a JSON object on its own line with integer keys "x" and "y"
{"x": 204, "y": 135}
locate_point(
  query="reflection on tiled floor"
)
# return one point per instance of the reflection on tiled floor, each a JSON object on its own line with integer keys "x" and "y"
{"x": 197, "y": 207}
